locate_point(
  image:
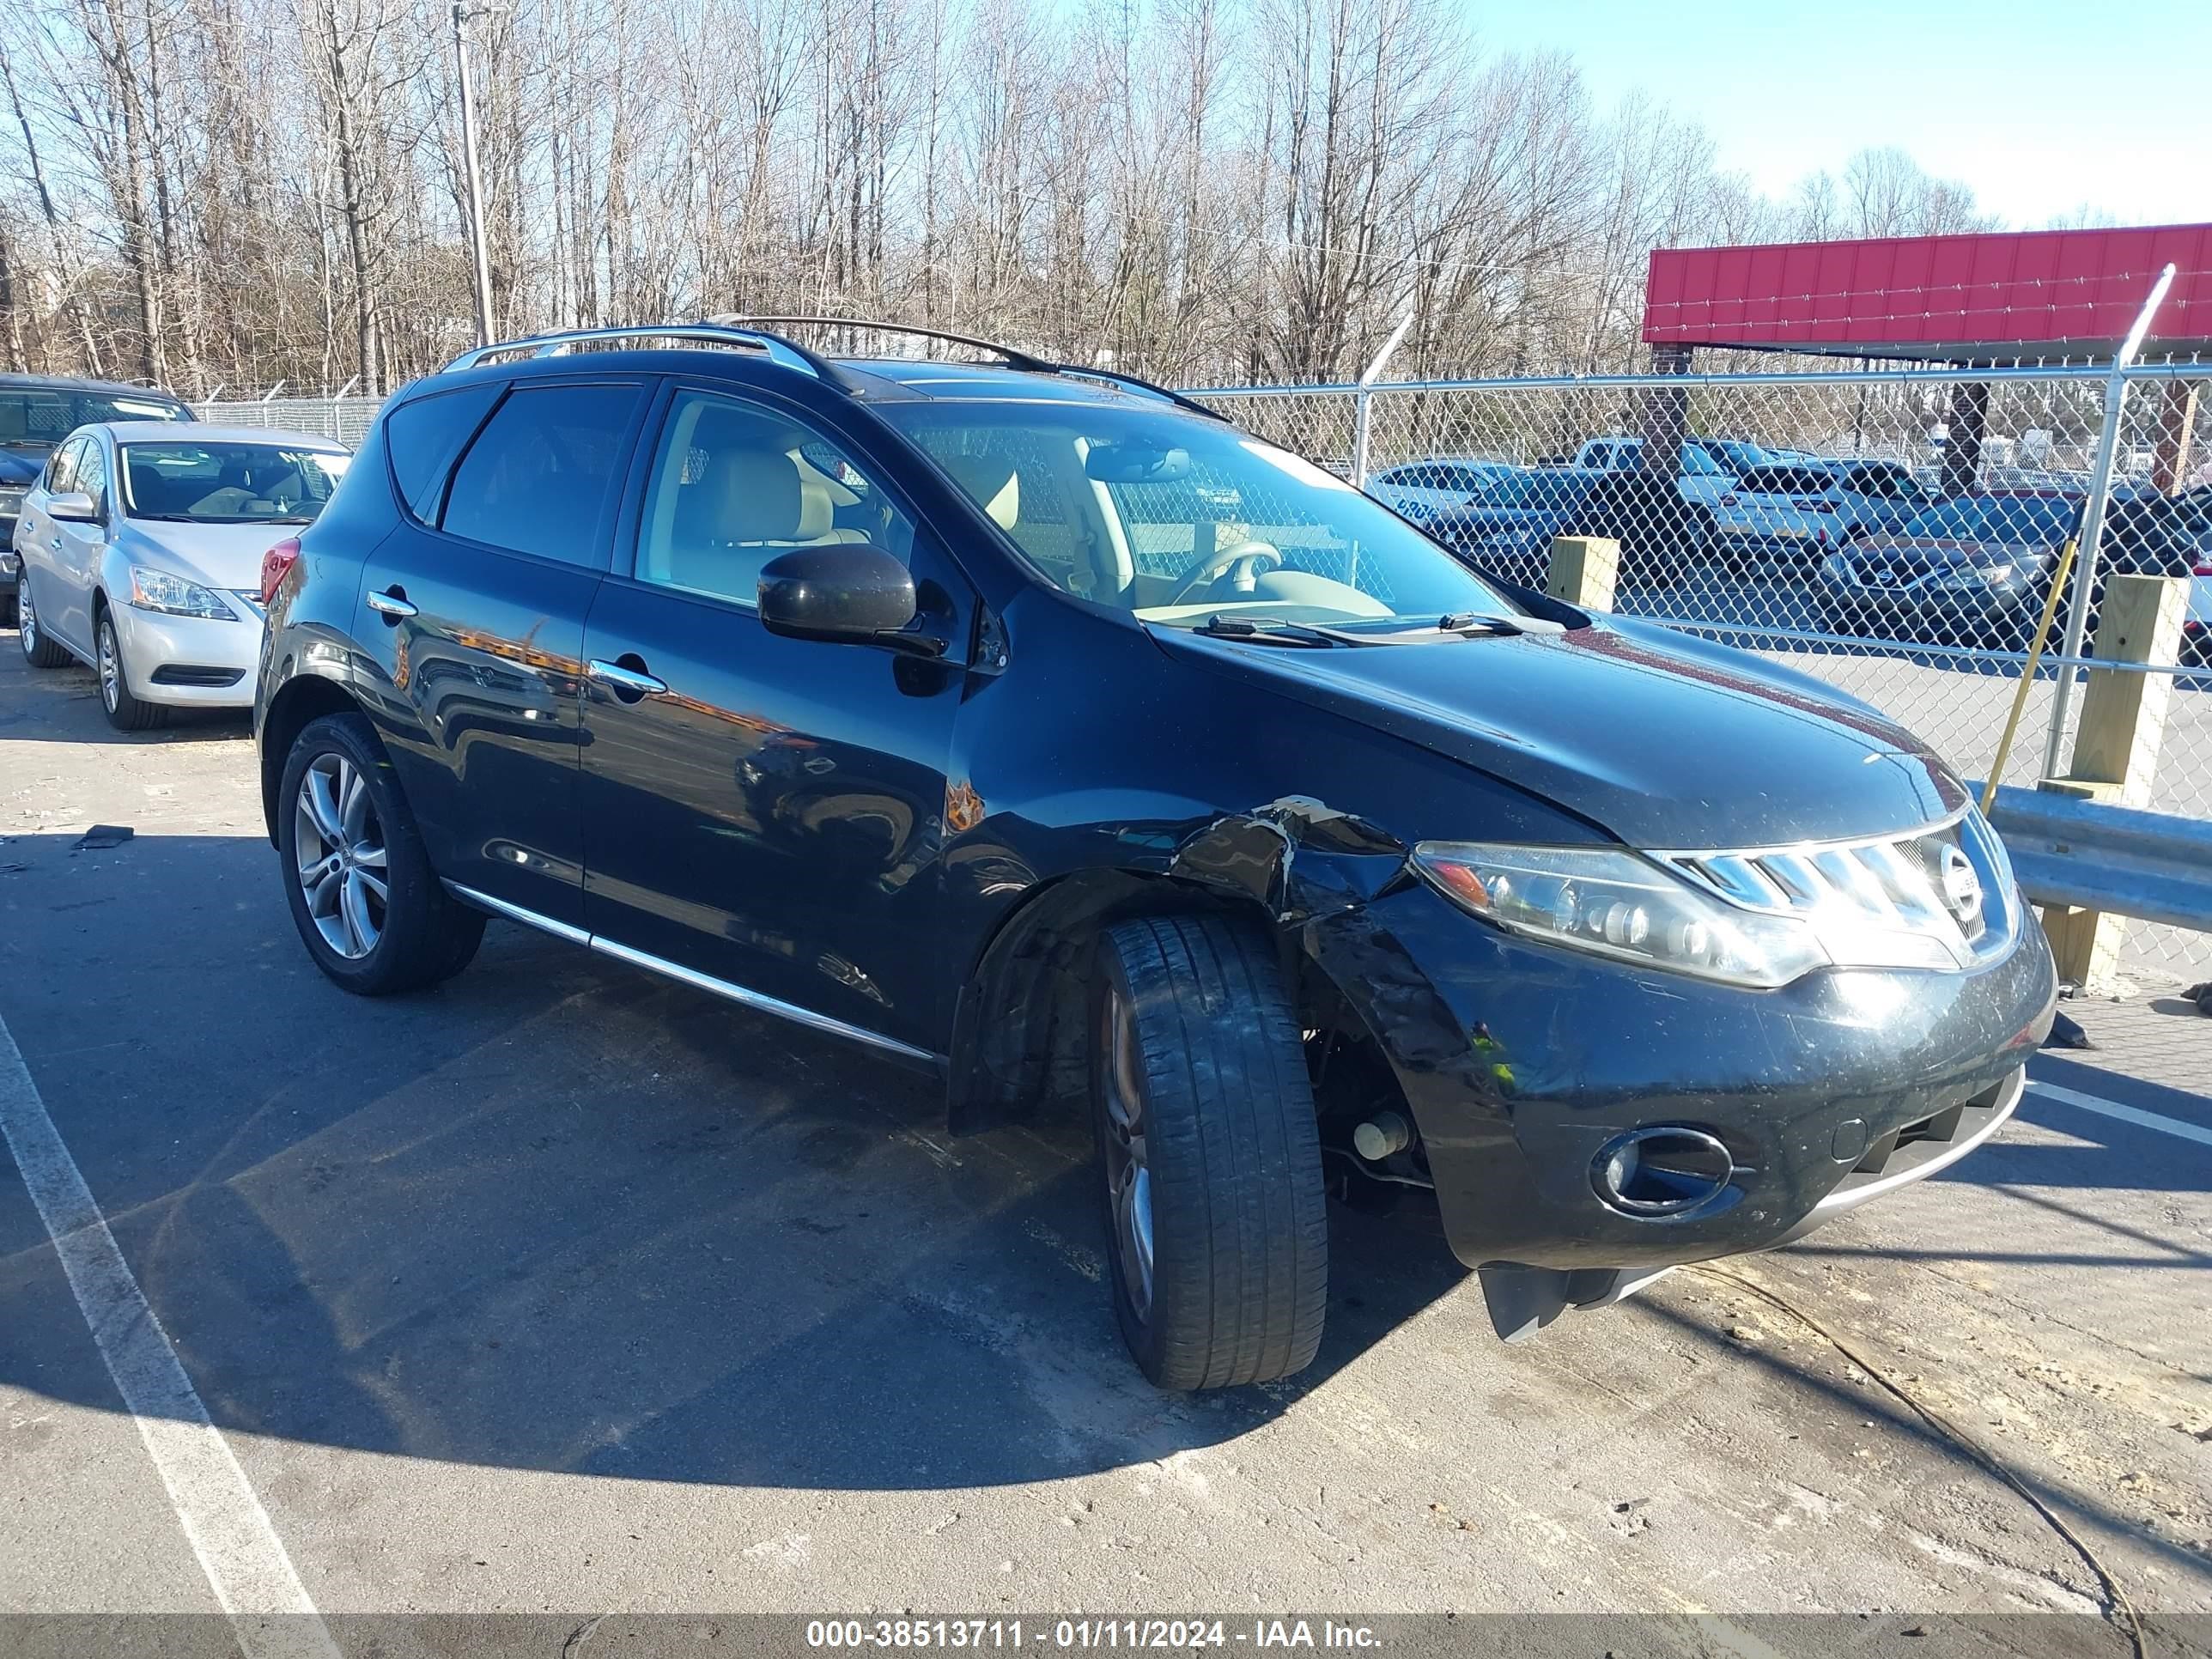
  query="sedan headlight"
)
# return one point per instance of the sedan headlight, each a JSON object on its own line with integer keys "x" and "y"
{"x": 173, "y": 596}
{"x": 1611, "y": 902}
{"x": 11, "y": 501}
{"x": 1968, "y": 577}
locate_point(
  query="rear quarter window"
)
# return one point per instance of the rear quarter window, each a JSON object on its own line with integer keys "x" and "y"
{"x": 423, "y": 436}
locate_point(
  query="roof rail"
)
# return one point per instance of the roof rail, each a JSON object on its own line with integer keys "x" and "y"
{"x": 1115, "y": 377}
{"x": 713, "y": 330}
{"x": 1013, "y": 356}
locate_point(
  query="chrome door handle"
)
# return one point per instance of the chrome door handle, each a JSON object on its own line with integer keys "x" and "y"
{"x": 624, "y": 680}
{"x": 394, "y": 605}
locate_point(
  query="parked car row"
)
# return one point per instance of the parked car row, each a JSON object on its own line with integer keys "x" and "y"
{"x": 139, "y": 544}
{"x": 1884, "y": 553}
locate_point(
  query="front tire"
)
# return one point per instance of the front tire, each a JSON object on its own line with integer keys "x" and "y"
{"x": 369, "y": 908}
{"x": 38, "y": 650}
{"x": 1216, "y": 1213}
{"x": 125, "y": 712}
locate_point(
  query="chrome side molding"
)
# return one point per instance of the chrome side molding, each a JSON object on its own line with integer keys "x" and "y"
{"x": 720, "y": 988}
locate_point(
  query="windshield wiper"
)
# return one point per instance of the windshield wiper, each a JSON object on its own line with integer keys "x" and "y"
{"x": 1272, "y": 630}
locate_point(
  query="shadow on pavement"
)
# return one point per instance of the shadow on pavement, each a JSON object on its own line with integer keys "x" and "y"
{"x": 559, "y": 1215}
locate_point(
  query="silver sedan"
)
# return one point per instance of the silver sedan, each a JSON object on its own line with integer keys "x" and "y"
{"x": 142, "y": 545}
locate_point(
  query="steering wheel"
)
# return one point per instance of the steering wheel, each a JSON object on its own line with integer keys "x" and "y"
{"x": 1253, "y": 556}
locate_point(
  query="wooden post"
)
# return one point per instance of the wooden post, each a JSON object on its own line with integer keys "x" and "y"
{"x": 2124, "y": 715}
{"x": 2177, "y": 421}
{"x": 1584, "y": 570}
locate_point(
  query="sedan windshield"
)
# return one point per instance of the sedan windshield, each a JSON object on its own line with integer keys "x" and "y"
{"x": 2013, "y": 519}
{"x": 1180, "y": 519}
{"x": 230, "y": 482}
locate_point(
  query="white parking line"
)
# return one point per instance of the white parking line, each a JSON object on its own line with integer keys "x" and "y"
{"x": 2141, "y": 1119}
{"x": 247, "y": 1567}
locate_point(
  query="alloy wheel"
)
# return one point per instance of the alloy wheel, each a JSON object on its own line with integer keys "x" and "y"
{"x": 1128, "y": 1172}
{"x": 110, "y": 667}
{"x": 338, "y": 843}
{"x": 27, "y": 621}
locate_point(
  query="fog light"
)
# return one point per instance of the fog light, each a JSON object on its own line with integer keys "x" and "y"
{"x": 1661, "y": 1172}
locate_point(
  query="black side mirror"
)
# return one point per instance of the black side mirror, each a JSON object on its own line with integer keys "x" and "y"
{"x": 847, "y": 593}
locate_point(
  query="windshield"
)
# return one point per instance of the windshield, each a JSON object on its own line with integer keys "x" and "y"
{"x": 1536, "y": 489}
{"x": 228, "y": 482}
{"x": 40, "y": 417}
{"x": 1180, "y": 519}
{"x": 2031, "y": 520}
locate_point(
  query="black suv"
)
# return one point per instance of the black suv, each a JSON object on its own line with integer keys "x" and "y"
{"x": 37, "y": 412}
{"x": 1037, "y": 728}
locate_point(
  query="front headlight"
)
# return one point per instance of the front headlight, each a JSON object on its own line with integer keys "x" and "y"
{"x": 1980, "y": 576}
{"x": 11, "y": 501}
{"x": 1611, "y": 902}
{"x": 173, "y": 596}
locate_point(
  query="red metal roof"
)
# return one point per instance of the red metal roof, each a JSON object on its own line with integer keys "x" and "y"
{"x": 1951, "y": 299}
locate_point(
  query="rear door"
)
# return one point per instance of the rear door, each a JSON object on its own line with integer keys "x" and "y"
{"x": 765, "y": 811}
{"x": 38, "y": 536}
{"x": 473, "y": 612}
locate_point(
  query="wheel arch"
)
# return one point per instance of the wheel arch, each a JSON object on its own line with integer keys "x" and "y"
{"x": 303, "y": 699}
{"x": 1017, "y": 1027}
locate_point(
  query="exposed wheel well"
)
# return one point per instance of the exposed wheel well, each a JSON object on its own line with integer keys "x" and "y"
{"x": 309, "y": 697}
{"x": 1019, "y": 1037}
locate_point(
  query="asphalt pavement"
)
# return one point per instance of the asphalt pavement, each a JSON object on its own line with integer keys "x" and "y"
{"x": 564, "y": 1292}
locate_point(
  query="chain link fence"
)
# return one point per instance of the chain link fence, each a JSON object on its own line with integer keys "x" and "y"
{"x": 346, "y": 419}
{"x": 1895, "y": 532}
{"x": 1898, "y": 533}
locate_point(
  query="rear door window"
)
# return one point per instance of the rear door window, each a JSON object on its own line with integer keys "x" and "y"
{"x": 540, "y": 477}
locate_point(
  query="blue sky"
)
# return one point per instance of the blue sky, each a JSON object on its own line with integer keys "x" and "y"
{"x": 2021, "y": 101}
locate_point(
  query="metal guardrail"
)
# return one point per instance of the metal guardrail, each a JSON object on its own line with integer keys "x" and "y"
{"x": 2155, "y": 866}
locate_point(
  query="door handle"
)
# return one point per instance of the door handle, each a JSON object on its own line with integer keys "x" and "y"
{"x": 391, "y": 605}
{"x": 627, "y": 684}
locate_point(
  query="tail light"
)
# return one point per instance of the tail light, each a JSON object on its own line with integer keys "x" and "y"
{"x": 274, "y": 563}
{"x": 2203, "y": 570}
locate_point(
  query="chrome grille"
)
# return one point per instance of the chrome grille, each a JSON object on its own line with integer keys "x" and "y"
{"x": 1890, "y": 885}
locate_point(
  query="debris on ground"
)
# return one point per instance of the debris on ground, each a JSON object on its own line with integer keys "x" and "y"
{"x": 2201, "y": 995}
{"x": 2067, "y": 1034}
{"x": 101, "y": 836}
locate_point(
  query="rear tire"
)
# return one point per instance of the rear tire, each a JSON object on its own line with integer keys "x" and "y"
{"x": 1216, "y": 1212}
{"x": 343, "y": 831}
{"x": 125, "y": 712}
{"x": 38, "y": 650}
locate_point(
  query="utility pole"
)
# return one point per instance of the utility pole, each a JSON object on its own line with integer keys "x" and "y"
{"x": 463, "y": 13}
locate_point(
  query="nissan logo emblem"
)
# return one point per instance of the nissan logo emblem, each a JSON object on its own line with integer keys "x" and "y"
{"x": 1961, "y": 887}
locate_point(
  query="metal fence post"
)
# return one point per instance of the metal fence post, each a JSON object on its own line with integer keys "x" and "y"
{"x": 2092, "y": 521}
{"x": 1360, "y": 400}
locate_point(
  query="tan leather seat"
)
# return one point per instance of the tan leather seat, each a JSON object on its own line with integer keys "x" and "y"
{"x": 992, "y": 482}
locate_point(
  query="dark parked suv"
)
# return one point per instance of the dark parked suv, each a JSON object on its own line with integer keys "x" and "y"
{"x": 37, "y": 412}
{"x": 1038, "y": 728}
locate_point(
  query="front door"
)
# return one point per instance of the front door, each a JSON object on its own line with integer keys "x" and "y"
{"x": 77, "y": 547}
{"x": 473, "y": 612}
{"x": 766, "y": 812}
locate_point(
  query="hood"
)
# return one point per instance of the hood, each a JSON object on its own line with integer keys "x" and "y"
{"x": 1927, "y": 552}
{"x": 226, "y": 555}
{"x": 21, "y": 465}
{"x": 1666, "y": 741}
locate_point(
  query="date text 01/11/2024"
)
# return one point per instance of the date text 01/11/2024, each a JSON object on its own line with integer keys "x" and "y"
{"x": 1172, "y": 1635}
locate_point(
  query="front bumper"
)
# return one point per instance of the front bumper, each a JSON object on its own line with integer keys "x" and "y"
{"x": 1925, "y": 611}
{"x": 1521, "y": 1060}
{"x": 189, "y": 662}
